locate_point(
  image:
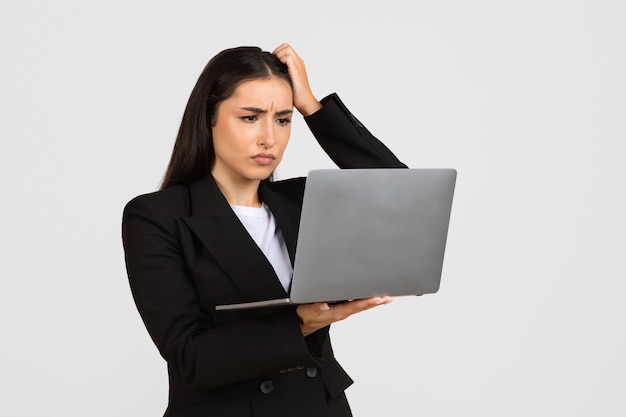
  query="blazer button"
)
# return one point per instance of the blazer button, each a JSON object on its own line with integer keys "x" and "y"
{"x": 266, "y": 387}
{"x": 311, "y": 372}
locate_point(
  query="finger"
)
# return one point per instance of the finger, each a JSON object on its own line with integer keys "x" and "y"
{"x": 323, "y": 307}
{"x": 313, "y": 310}
{"x": 280, "y": 47}
{"x": 366, "y": 303}
{"x": 288, "y": 56}
{"x": 284, "y": 51}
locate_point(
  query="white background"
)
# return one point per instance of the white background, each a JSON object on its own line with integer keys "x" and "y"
{"x": 526, "y": 99}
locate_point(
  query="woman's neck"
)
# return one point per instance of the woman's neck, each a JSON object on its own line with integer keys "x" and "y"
{"x": 239, "y": 193}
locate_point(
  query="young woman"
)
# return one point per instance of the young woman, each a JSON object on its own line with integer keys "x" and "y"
{"x": 219, "y": 231}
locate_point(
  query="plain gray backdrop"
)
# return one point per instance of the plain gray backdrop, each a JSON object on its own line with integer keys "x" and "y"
{"x": 524, "y": 98}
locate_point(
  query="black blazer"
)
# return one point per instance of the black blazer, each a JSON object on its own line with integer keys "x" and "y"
{"x": 186, "y": 252}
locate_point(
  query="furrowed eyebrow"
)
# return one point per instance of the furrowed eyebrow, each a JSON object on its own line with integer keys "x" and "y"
{"x": 259, "y": 110}
{"x": 253, "y": 109}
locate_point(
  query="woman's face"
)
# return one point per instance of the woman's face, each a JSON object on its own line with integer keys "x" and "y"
{"x": 251, "y": 131}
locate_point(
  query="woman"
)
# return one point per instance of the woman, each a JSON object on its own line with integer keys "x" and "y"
{"x": 220, "y": 232}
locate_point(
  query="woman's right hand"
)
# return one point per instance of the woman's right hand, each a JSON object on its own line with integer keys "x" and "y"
{"x": 318, "y": 315}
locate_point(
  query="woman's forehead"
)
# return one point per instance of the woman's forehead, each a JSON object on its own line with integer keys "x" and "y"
{"x": 263, "y": 92}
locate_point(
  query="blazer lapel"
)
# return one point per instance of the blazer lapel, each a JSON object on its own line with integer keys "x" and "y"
{"x": 218, "y": 228}
{"x": 287, "y": 215}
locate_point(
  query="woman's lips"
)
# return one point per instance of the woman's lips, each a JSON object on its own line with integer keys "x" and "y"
{"x": 264, "y": 158}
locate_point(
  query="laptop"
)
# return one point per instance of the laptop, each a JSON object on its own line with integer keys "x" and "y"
{"x": 367, "y": 233}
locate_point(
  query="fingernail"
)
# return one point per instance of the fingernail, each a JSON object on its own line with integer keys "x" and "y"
{"x": 324, "y": 307}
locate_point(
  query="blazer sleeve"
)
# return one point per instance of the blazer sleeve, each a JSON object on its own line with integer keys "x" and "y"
{"x": 202, "y": 354}
{"x": 346, "y": 141}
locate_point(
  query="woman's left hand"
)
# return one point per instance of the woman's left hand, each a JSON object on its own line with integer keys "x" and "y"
{"x": 303, "y": 98}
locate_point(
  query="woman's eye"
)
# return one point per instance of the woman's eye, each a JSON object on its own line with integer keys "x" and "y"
{"x": 283, "y": 121}
{"x": 250, "y": 118}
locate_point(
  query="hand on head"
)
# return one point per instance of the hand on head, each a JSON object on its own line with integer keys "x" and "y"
{"x": 303, "y": 98}
{"x": 318, "y": 315}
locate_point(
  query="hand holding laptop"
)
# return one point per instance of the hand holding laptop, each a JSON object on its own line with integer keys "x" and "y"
{"x": 318, "y": 315}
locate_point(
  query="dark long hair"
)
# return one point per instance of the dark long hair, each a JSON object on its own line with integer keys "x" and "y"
{"x": 193, "y": 154}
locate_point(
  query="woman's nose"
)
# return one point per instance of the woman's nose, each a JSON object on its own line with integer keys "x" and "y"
{"x": 267, "y": 137}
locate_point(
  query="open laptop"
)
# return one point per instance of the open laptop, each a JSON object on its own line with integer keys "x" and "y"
{"x": 367, "y": 233}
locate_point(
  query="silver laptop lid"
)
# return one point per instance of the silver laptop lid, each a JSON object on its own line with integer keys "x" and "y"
{"x": 372, "y": 232}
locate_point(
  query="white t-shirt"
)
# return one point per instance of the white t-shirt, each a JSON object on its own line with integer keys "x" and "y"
{"x": 261, "y": 225}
